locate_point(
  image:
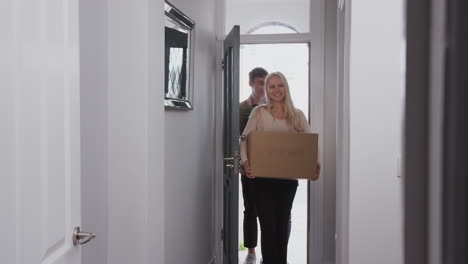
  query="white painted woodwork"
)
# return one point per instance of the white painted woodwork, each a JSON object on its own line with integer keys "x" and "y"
{"x": 322, "y": 99}
{"x": 40, "y": 138}
{"x": 122, "y": 132}
{"x": 376, "y": 97}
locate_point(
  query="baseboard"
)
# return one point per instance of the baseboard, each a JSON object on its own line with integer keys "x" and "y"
{"x": 213, "y": 260}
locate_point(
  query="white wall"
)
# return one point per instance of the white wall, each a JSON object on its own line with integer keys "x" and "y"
{"x": 376, "y": 94}
{"x": 254, "y": 12}
{"x": 123, "y": 130}
{"x": 189, "y": 151}
{"x": 135, "y": 124}
{"x": 93, "y": 88}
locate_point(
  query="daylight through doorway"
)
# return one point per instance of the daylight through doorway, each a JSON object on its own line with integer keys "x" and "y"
{"x": 293, "y": 61}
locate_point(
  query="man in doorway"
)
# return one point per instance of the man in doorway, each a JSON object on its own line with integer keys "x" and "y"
{"x": 257, "y": 83}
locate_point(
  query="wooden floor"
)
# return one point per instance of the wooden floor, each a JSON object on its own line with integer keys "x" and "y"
{"x": 297, "y": 248}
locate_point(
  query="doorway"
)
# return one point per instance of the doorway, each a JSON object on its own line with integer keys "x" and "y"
{"x": 292, "y": 59}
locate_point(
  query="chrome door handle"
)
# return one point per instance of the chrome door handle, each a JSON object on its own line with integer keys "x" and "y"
{"x": 227, "y": 160}
{"x": 233, "y": 162}
{"x": 80, "y": 238}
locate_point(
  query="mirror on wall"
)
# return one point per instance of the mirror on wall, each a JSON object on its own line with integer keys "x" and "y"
{"x": 179, "y": 47}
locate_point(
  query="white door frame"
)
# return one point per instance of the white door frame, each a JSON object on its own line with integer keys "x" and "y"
{"x": 316, "y": 115}
{"x": 343, "y": 130}
{"x": 316, "y": 39}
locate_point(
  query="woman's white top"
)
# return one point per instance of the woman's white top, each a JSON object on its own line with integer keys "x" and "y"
{"x": 262, "y": 120}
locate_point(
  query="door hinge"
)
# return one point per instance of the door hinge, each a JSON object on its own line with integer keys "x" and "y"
{"x": 222, "y": 65}
{"x": 222, "y": 234}
{"x": 341, "y": 4}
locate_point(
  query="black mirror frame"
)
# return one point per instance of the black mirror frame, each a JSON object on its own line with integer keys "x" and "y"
{"x": 187, "y": 26}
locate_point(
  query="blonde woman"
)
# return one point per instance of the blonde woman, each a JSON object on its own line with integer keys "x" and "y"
{"x": 273, "y": 197}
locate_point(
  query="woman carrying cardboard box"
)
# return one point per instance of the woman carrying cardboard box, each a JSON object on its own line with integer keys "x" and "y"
{"x": 274, "y": 197}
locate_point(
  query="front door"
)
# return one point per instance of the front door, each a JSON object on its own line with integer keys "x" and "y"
{"x": 231, "y": 146}
{"x": 40, "y": 132}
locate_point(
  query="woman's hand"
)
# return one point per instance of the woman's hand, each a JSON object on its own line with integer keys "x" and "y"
{"x": 317, "y": 172}
{"x": 247, "y": 170}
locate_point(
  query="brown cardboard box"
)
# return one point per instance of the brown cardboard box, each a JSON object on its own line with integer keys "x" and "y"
{"x": 282, "y": 155}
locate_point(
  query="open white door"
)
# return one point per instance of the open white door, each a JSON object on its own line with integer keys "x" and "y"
{"x": 40, "y": 131}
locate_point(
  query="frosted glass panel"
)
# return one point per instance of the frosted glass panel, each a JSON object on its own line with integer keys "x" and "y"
{"x": 293, "y": 61}
{"x": 176, "y": 61}
{"x": 290, "y": 59}
{"x": 252, "y": 15}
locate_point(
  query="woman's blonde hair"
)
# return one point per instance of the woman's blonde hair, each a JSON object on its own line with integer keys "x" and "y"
{"x": 290, "y": 112}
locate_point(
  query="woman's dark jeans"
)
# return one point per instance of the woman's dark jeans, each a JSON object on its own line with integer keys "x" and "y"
{"x": 274, "y": 199}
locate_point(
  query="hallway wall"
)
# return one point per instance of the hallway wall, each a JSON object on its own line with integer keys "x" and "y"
{"x": 122, "y": 136}
{"x": 136, "y": 136}
{"x": 189, "y": 158}
{"x": 147, "y": 173}
{"x": 295, "y": 13}
{"x": 376, "y": 87}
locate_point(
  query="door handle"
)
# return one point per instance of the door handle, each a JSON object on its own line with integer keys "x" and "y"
{"x": 80, "y": 238}
{"x": 233, "y": 162}
{"x": 228, "y": 164}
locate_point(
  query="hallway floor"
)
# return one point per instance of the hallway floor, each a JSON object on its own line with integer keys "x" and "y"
{"x": 297, "y": 248}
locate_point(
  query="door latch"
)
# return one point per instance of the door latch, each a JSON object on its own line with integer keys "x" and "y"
{"x": 80, "y": 238}
{"x": 233, "y": 162}
{"x": 229, "y": 162}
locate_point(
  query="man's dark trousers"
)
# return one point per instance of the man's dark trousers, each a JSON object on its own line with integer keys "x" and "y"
{"x": 250, "y": 212}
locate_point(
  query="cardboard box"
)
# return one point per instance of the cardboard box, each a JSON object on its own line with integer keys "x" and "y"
{"x": 282, "y": 155}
